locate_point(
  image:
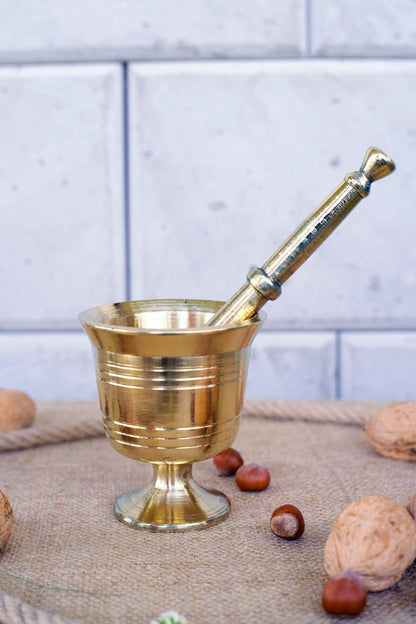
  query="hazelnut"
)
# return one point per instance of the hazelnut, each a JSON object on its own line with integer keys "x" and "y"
{"x": 252, "y": 477}
{"x": 17, "y": 410}
{"x": 375, "y": 538}
{"x": 6, "y": 519}
{"x": 392, "y": 431}
{"x": 287, "y": 522}
{"x": 228, "y": 462}
{"x": 344, "y": 594}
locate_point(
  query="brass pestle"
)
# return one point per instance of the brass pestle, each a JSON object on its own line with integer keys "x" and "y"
{"x": 264, "y": 284}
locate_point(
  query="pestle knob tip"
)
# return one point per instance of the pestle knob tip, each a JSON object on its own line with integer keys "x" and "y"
{"x": 376, "y": 164}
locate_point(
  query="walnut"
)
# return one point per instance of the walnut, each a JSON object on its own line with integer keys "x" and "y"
{"x": 374, "y": 538}
{"x": 392, "y": 431}
{"x": 6, "y": 519}
{"x": 17, "y": 410}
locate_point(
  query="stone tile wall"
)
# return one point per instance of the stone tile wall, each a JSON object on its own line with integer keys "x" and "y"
{"x": 161, "y": 149}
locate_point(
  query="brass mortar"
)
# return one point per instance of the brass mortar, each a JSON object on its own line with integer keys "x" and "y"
{"x": 171, "y": 391}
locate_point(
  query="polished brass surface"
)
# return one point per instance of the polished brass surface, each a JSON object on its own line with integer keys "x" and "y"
{"x": 264, "y": 284}
{"x": 171, "y": 391}
{"x": 172, "y": 501}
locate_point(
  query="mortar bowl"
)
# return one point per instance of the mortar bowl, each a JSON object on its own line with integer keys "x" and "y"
{"x": 171, "y": 392}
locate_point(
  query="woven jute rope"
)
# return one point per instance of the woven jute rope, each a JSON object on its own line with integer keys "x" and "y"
{"x": 14, "y": 611}
{"x": 331, "y": 411}
{"x": 49, "y": 434}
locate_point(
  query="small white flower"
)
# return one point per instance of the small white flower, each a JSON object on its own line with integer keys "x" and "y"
{"x": 170, "y": 617}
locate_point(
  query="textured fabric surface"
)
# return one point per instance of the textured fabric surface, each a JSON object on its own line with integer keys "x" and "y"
{"x": 68, "y": 554}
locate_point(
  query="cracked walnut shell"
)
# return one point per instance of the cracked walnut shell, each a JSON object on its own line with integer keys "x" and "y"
{"x": 411, "y": 507}
{"x": 375, "y": 538}
{"x": 392, "y": 431}
{"x": 6, "y": 519}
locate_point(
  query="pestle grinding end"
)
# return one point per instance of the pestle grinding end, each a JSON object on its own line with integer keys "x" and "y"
{"x": 376, "y": 164}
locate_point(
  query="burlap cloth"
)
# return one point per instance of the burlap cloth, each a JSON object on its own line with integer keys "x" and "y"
{"x": 69, "y": 555}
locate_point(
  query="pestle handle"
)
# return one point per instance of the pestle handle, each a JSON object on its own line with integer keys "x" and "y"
{"x": 264, "y": 284}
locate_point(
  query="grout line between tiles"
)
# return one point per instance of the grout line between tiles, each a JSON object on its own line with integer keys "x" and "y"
{"x": 308, "y": 28}
{"x": 357, "y": 58}
{"x": 337, "y": 373}
{"x": 126, "y": 179}
{"x": 40, "y": 330}
{"x": 268, "y": 330}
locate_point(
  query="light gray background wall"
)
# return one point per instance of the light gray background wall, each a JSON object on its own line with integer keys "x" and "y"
{"x": 161, "y": 148}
